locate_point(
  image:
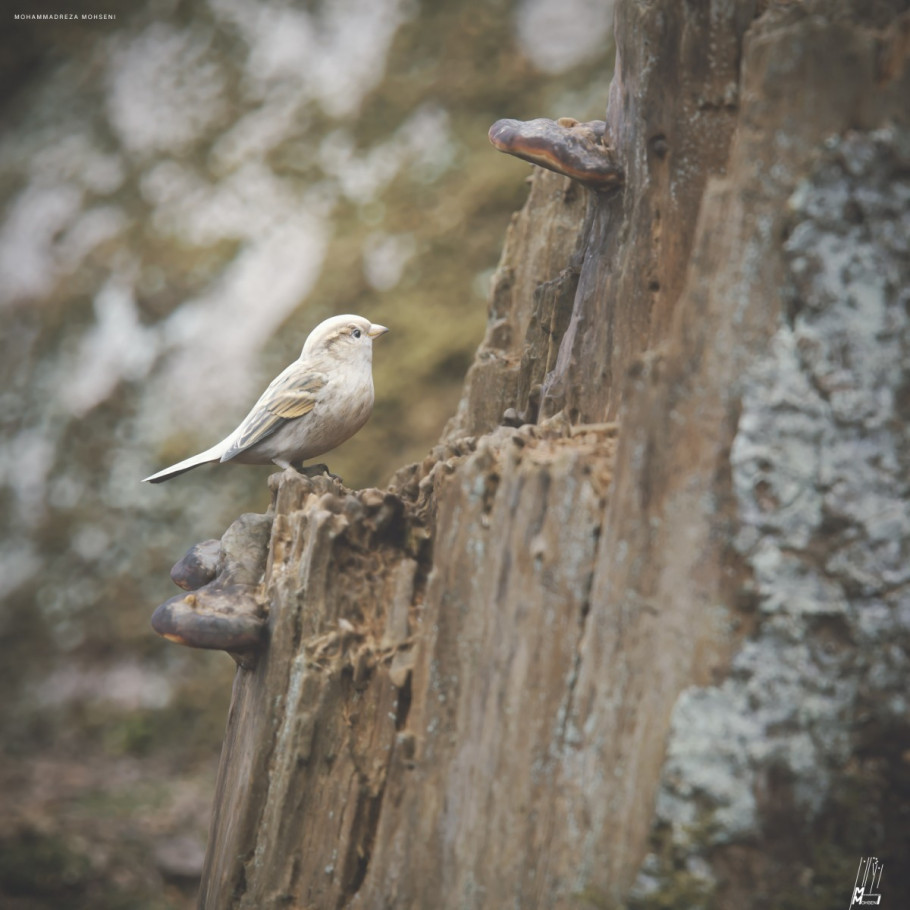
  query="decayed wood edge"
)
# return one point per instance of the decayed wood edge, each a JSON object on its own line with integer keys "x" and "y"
{"x": 283, "y": 715}
{"x": 503, "y": 617}
{"x": 319, "y": 640}
{"x": 540, "y": 263}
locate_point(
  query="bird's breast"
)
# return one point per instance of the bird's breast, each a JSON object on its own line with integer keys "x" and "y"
{"x": 343, "y": 407}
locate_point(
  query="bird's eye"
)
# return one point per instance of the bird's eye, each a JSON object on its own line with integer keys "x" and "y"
{"x": 356, "y": 333}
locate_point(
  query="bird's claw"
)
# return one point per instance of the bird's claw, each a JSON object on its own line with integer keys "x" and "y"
{"x": 314, "y": 470}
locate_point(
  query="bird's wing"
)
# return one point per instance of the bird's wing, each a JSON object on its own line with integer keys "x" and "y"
{"x": 293, "y": 394}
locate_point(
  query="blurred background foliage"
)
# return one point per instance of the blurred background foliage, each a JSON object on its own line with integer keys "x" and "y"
{"x": 185, "y": 191}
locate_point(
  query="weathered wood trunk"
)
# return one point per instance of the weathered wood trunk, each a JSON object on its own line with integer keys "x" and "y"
{"x": 636, "y": 646}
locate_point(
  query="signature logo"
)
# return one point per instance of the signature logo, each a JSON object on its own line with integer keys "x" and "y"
{"x": 868, "y": 879}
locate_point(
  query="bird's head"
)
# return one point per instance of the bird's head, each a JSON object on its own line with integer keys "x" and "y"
{"x": 344, "y": 337}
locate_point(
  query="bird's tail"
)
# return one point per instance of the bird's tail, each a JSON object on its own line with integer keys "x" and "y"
{"x": 212, "y": 454}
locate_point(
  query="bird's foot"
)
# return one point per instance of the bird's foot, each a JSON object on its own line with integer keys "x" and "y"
{"x": 314, "y": 470}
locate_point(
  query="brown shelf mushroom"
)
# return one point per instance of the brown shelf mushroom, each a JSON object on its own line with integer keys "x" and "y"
{"x": 578, "y": 150}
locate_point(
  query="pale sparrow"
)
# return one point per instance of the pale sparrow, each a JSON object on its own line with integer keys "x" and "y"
{"x": 318, "y": 402}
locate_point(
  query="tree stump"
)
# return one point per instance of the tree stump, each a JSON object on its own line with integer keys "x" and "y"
{"x": 635, "y": 633}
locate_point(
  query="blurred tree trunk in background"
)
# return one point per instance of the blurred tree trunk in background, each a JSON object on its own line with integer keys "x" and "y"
{"x": 649, "y": 647}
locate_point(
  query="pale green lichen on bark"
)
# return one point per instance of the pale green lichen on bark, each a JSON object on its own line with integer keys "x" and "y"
{"x": 819, "y": 467}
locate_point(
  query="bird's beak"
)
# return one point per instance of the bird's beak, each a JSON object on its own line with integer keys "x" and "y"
{"x": 376, "y": 330}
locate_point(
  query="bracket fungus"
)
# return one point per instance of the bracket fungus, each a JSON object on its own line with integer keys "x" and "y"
{"x": 577, "y": 150}
{"x": 224, "y": 610}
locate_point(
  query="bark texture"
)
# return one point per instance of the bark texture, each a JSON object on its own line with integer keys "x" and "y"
{"x": 568, "y": 661}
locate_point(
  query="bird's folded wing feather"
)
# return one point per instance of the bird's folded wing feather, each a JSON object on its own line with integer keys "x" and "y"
{"x": 293, "y": 394}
